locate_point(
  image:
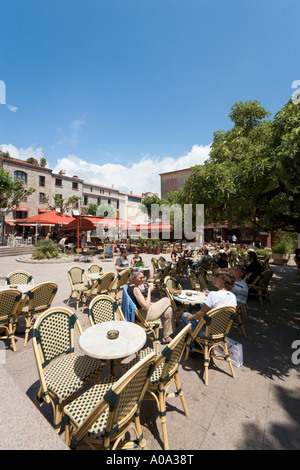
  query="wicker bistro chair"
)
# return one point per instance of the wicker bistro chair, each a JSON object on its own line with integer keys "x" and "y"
{"x": 104, "y": 308}
{"x": 155, "y": 265}
{"x": 53, "y": 337}
{"x": 100, "y": 286}
{"x": 121, "y": 280}
{"x": 95, "y": 268}
{"x": 241, "y": 311}
{"x": 164, "y": 375}
{"x": 218, "y": 322}
{"x": 172, "y": 286}
{"x": 10, "y": 303}
{"x": 101, "y": 416}
{"x": 260, "y": 287}
{"x": 78, "y": 283}
{"x": 35, "y": 302}
{"x": 19, "y": 277}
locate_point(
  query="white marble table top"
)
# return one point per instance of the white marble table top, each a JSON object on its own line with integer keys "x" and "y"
{"x": 24, "y": 288}
{"x": 197, "y": 297}
{"x": 94, "y": 276}
{"x": 94, "y": 341}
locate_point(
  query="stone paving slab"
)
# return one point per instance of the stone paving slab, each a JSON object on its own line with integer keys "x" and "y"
{"x": 257, "y": 410}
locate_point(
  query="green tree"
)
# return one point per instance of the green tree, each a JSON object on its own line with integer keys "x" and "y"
{"x": 251, "y": 175}
{"x": 32, "y": 160}
{"x": 91, "y": 209}
{"x": 62, "y": 204}
{"x": 11, "y": 193}
{"x": 43, "y": 162}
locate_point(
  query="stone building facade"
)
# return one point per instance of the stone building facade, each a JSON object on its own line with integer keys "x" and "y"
{"x": 47, "y": 183}
{"x": 33, "y": 176}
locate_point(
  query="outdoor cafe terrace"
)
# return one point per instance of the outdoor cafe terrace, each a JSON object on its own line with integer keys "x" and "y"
{"x": 254, "y": 408}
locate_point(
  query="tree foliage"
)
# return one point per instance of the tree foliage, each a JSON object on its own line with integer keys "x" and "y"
{"x": 60, "y": 203}
{"x": 11, "y": 193}
{"x": 252, "y": 175}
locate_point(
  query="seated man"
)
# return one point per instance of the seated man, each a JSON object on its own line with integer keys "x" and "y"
{"x": 240, "y": 287}
{"x": 222, "y": 259}
{"x": 122, "y": 262}
{"x": 254, "y": 268}
{"x": 224, "y": 281}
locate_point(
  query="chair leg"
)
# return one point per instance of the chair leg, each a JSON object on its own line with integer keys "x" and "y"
{"x": 180, "y": 394}
{"x": 228, "y": 358}
{"x": 163, "y": 418}
{"x": 27, "y": 330}
{"x": 206, "y": 363}
{"x": 240, "y": 323}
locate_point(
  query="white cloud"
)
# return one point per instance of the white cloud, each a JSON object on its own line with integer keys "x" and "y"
{"x": 70, "y": 136}
{"x": 23, "y": 154}
{"x": 12, "y": 108}
{"x": 140, "y": 177}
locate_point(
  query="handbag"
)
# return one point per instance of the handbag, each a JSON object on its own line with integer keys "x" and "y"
{"x": 235, "y": 351}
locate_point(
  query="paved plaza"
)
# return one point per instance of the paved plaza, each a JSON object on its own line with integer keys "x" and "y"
{"x": 260, "y": 409}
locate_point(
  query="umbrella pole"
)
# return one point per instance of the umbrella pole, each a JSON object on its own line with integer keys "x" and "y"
{"x": 77, "y": 232}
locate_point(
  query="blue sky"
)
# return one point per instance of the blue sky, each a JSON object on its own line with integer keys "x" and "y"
{"x": 118, "y": 91}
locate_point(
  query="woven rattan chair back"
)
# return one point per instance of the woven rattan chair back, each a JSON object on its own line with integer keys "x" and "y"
{"x": 95, "y": 268}
{"x": 104, "y": 308}
{"x": 155, "y": 264}
{"x": 41, "y": 297}
{"x": 105, "y": 284}
{"x": 19, "y": 277}
{"x": 162, "y": 262}
{"x": 10, "y": 302}
{"x": 112, "y": 416}
{"x": 218, "y": 322}
{"x": 76, "y": 275}
{"x": 171, "y": 283}
{"x": 122, "y": 279}
{"x": 36, "y": 301}
{"x": 171, "y": 356}
{"x": 54, "y": 334}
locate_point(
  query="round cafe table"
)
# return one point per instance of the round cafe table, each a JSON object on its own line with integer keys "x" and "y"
{"x": 24, "y": 288}
{"x": 190, "y": 297}
{"x": 95, "y": 343}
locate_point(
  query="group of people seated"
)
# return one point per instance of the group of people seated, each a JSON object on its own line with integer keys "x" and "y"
{"x": 123, "y": 262}
{"x": 231, "y": 290}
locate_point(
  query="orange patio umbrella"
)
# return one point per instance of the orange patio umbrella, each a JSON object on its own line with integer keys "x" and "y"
{"x": 51, "y": 218}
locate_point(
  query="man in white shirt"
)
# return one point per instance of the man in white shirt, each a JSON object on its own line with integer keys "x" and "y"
{"x": 224, "y": 280}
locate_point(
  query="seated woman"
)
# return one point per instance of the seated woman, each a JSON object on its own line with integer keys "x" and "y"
{"x": 224, "y": 280}
{"x": 152, "y": 311}
{"x": 136, "y": 260}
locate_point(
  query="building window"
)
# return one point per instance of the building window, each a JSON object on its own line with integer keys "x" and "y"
{"x": 41, "y": 180}
{"x": 86, "y": 199}
{"x": 20, "y": 176}
{"x": 74, "y": 185}
{"x": 172, "y": 184}
{"x": 58, "y": 182}
{"x": 41, "y": 197}
{"x": 20, "y": 215}
{"x": 98, "y": 201}
{"x": 108, "y": 202}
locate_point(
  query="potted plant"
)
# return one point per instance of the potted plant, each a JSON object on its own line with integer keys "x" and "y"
{"x": 150, "y": 246}
{"x": 262, "y": 253}
{"x": 282, "y": 248}
{"x": 156, "y": 247}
